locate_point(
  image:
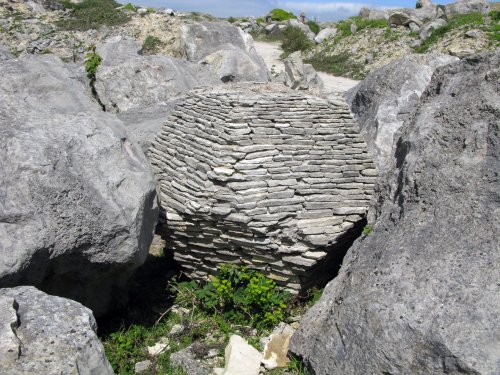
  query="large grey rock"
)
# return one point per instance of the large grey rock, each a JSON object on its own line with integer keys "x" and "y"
{"x": 201, "y": 39}
{"x": 42, "y": 334}
{"x": 77, "y": 200}
{"x": 427, "y": 29}
{"x": 467, "y": 6}
{"x": 420, "y": 294}
{"x": 326, "y": 33}
{"x": 235, "y": 65}
{"x": 373, "y": 14}
{"x": 300, "y": 76}
{"x": 401, "y": 19}
{"x": 302, "y": 26}
{"x": 5, "y": 53}
{"x": 386, "y": 98}
{"x": 126, "y": 80}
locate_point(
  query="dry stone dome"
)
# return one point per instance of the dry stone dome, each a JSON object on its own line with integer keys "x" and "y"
{"x": 261, "y": 175}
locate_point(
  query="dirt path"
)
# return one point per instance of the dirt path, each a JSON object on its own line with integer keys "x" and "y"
{"x": 271, "y": 51}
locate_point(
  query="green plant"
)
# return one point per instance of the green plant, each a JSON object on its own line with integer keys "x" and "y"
{"x": 231, "y": 20}
{"x": 260, "y": 20}
{"x": 313, "y": 26}
{"x": 465, "y": 21}
{"x": 494, "y": 15}
{"x": 368, "y": 229}
{"x": 130, "y": 6}
{"x": 124, "y": 348}
{"x": 244, "y": 296}
{"x": 91, "y": 62}
{"x": 91, "y": 14}
{"x": 294, "y": 39}
{"x": 151, "y": 45}
{"x": 281, "y": 15}
{"x": 338, "y": 64}
{"x": 418, "y": 4}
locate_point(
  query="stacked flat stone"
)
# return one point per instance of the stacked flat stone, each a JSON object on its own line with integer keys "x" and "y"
{"x": 272, "y": 180}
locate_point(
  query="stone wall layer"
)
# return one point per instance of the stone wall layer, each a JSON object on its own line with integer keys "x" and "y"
{"x": 273, "y": 180}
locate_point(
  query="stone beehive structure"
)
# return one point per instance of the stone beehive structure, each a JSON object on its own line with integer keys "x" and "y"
{"x": 269, "y": 179}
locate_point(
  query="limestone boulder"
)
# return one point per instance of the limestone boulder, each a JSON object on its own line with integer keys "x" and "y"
{"x": 420, "y": 294}
{"x": 300, "y": 76}
{"x": 261, "y": 175}
{"x": 78, "y": 201}
{"x": 427, "y": 29}
{"x": 387, "y": 97}
{"x": 326, "y": 33}
{"x": 373, "y": 14}
{"x": 241, "y": 358}
{"x": 302, "y": 26}
{"x": 235, "y": 65}
{"x": 125, "y": 80}
{"x": 467, "y": 6}
{"x": 42, "y": 334}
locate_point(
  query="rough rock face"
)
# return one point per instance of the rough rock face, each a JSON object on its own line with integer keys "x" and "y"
{"x": 42, "y": 334}
{"x": 261, "y": 175}
{"x": 126, "y": 80}
{"x": 77, "y": 199}
{"x": 326, "y": 33}
{"x": 5, "y": 53}
{"x": 387, "y": 96}
{"x": 420, "y": 294}
{"x": 467, "y": 6}
{"x": 212, "y": 42}
{"x": 300, "y": 76}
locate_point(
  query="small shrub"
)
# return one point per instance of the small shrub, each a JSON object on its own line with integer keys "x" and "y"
{"x": 418, "y": 4}
{"x": 151, "y": 45}
{"x": 313, "y": 26}
{"x": 231, "y": 20}
{"x": 91, "y": 62}
{"x": 281, "y": 15}
{"x": 368, "y": 229}
{"x": 294, "y": 39}
{"x": 130, "y": 6}
{"x": 339, "y": 65}
{"x": 494, "y": 15}
{"x": 260, "y": 20}
{"x": 91, "y": 14}
{"x": 244, "y": 296}
{"x": 124, "y": 348}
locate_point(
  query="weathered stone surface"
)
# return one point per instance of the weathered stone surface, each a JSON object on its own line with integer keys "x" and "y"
{"x": 186, "y": 360}
{"x": 426, "y": 29}
{"x": 300, "y": 76}
{"x": 326, "y": 33}
{"x": 302, "y": 26}
{"x": 42, "y": 334}
{"x": 235, "y": 65}
{"x": 241, "y": 358}
{"x": 276, "y": 347}
{"x": 467, "y": 6}
{"x": 420, "y": 294}
{"x": 5, "y": 53}
{"x": 239, "y": 166}
{"x": 78, "y": 201}
{"x": 374, "y": 14}
{"x": 387, "y": 97}
{"x": 126, "y": 80}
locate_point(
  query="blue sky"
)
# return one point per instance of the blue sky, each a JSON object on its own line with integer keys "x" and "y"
{"x": 325, "y": 10}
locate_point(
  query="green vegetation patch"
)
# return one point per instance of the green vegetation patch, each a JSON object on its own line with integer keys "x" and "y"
{"x": 465, "y": 21}
{"x": 313, "y": 26}
{"x": 294, "y": 39}
{"x": 92, "y": 62}
{"x": 92, "y": 14}
{"x": 151, "y": 45}
{"x": 281, "y": 15}
{"x": 344, "y": 26}
{"x": 340, "y": 65}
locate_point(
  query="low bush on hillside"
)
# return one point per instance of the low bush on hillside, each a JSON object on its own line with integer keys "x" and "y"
{"x": 465, "y": 21}
{"x": 151, "y": 45}
{"x": 344, "y": 26}
{"x": 91, "y": 14}
{"x": 313, "y": 26}
{"x": 337, "y": 64}
{"x": 281, "y": 15}
{"x": 92, "y": 61}
{"x": 294, "y": 39}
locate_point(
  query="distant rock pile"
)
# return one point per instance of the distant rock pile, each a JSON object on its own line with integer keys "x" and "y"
{"x": 274, "y": 179}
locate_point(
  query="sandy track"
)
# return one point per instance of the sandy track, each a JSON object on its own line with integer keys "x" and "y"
{"x": 271, "y": 51}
